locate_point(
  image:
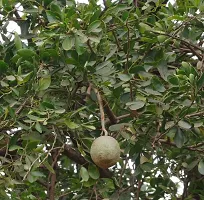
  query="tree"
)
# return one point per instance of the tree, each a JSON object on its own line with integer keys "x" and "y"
{"x": 131, "y": 68}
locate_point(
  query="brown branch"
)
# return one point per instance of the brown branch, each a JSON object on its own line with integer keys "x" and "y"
{"x": 123, "y": 116}
{"x": 108, "y": 122}
{"x": 135, "y": 2}
{"x": 193, "y": 51}
{"x": 190, "y": 148}
{"x": 42, "y": 183}
{"x": 181, "y": 40}
{"x": 197, "y": 145}
{"x": 113, "y": 119}
{"x": 18, "y": 17}
{"x": 138, "y": 189}
{"x": 103, "y": 105}
{"x": 75, "y": 156}
{"x": 51, "y": 189}
{"x": 184, "y": 195}
{"x": 95, "y": 191}
{"x": 89, "y": 45}
{"x": 18, "y": 111}
{"x": 127, "y": 188}
{"x": 116, "y": 39}
{"x": 195, "y": 114}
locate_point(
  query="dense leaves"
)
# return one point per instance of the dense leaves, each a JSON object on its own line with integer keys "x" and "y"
{"x": 138, "y": 62}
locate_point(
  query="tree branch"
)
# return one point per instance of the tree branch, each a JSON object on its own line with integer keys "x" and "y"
{"x": 190, "y": 148}
{"x": 195, "y": 114}
{"x": 75, "y": 156}
{"x": 113, "y": 119}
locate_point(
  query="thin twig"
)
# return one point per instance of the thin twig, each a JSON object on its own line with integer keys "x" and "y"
{"x": 51, "y": 189}
{"x": 96, "y": 194}
{"x": 100, "y": 102}
{"x": 89, "y": 45}
{"x": 138, "y": 189}
{"x": 21, "y": 106}
{"x": 177, "y": 38}
{"x": 195, "y": 114}
{"x": 128, "y": 49}
{"x": 190, "y": 148}
{"x": 197, "y": 145}
{"x": 123, "y": 170}
{"x": 117, "y": 41}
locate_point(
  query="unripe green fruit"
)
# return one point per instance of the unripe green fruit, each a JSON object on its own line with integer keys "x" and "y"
{"x": 105, "y": 151}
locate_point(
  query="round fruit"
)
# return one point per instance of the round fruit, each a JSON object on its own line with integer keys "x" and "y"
{"x": 105, "y": 151}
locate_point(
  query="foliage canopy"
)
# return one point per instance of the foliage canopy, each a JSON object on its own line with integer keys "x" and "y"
{"x": 133, "y": 69}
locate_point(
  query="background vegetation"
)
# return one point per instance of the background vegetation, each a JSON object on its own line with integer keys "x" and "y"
{"x": 132, "y": 68}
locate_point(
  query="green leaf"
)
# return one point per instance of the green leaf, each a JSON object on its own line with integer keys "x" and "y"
{"x": 79, "y": 46}
{"x": 17, "y": 41}
{"x": 3, "y": 67}
{"x": 112, "y": 52}
{"x": 161, "y": 38}
{"x": 124, "y": 77}
{"x": 11, "y": 78}
{"x": 71, "y": 124}
{"x": 51, "y": 16}
{"x": 179, "y": 138}
{"x": 169, "y": 124}
{"x": 44, "y": 83}
{"x": 135, "y": 104}
{"x": 37, "y": 174}
{"x": 200, "y": 82}
{"x": 38, "y": 127}
{"x": 93, "y": 171}
{"x": 94, "y": 26}
{"x": 84, "y": 174}
{"x": 201, "y": 167}
{"x": 49, "y": 167}
{"x": 192, "y": 165}
{"x": 26, "y": 53}
{"x": 144, "y": 27}
{"x": 152, "y": 92}
{"x": 14, "y": 147}
{"x": 118, "y": 127}
{"x": 31, "y": 178}
{"x": 184, "y": 124}
{"x": 47, "y": 105}
{"x": 163, "y": 69}
{"x": 147, "y": 167}
{"x": 173, "y": 79}
{"x": 68, "y": 43}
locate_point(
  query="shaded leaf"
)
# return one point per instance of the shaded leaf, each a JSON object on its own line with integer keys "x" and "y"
{"x": 93, "y": 172}
{"x": 3, "y": 67}
{"x": 44, "y": 83}
{"x": 179, "y": 138}
{"x": 68, "y": 43}
{"x": 94, "y": 26}
{"x": 184, "y": 124}
{"x": 84, "y": 174}
{"x": 71, "y": 124}
{"x": 201, "y": 167}
{"x": 135, "y": 105}
{"x": 17, "y": 41}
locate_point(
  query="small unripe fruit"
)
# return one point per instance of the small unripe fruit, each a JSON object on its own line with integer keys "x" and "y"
{"x": 105, "y": 151}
